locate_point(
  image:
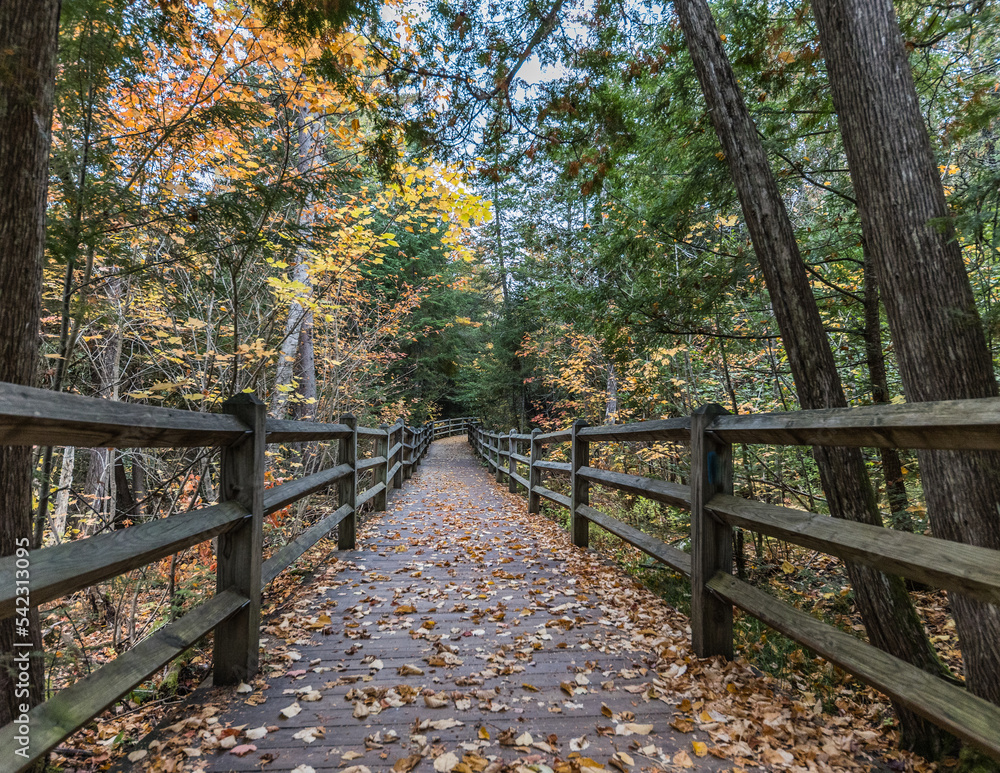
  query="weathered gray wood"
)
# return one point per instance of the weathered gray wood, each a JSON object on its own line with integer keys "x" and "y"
{"x": 235, "y": 655}
{"x": 554, "y": 466}
{"x": 369, "y": 494}
{"x": 347, "y": 453}
{"x": 367, "y": 464}
{"x": 394, "y": 451}
{"x": 953, "y": 708}
{"x": 283, "y": 558}
{"x": 382, "y": 474}
{"x": 675, "y": 430}
{"x": 371, "y": 432}
{"x": 534, "y": 471}
{"x": 963, "y": 425}
{"x": 408, "y": 453}
{"x": 283, "y": 431}
{"x": 711, "y": 541}
{"x": 397, "y": 453}
{"x": 499, "y": 465}
{"x": 579, "y": 487}
{"x": 658, "y": 549}
{"x": 63, "y": 569}
{"x": 277, "y": 497}
{"x": 511, "y": 463}
{"x": 520, "y": 458}
{"x": 518, "y": 479}
{"x": 31, "y": 416}
{"x": 651, "y": 488}
{"x": 74, "y": 706}
{"x": 953, "y": 566}
{"x": 559, "y": 436}
{"x": 553, "y": 496}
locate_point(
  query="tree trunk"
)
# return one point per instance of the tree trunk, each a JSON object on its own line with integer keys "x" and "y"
{"x": 298, "y": 328}
{"x": 62, "y": 498}
{"x": 892, "y": 468}
{"x": 885, "y": 607}
{"x": 611, "y": 396}
{"x": 28, "y": 42}
{"x": 940, "y": 344}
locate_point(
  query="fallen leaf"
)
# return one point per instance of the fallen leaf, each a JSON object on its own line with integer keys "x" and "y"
{"x": 309, "y": 734}
{"x": 631, "y": 728}
{"x": 446, "y": 762}
{"x": 256, "y": 733}
{"x": 243, "y": 749}
{"x": 700, "y": 749}
{"x": 406, "y": 764}
{"x": 290, "y": 711}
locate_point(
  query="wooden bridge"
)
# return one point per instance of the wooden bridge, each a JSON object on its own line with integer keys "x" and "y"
{"x": 462, "y": 628}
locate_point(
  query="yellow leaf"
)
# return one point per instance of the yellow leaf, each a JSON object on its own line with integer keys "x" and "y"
{"x": 700, "y": 749}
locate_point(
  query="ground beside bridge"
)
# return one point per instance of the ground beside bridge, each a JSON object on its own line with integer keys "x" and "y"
{"x": 466, "y": 635}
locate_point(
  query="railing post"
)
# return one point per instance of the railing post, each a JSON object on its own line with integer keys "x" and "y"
{"x": 499, "y": 468}
{"x": 238, "y": 559}
{"x": 348, "y": 486}
{"x": 534, "y": 473}
{"x": 382, "y": 474}
{"x": 711, "y": 540}
{"x": 579, "y": 525}
{"x": 511, "y": 464}
{"x": 407, "y": 461}
{"x": 397, "y": 479}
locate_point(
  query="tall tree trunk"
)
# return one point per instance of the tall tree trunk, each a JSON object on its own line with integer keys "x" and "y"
{"x": 939, "y": 339}
{"x": 292, "y": 359}
{"x": 611, "y": 396}
{"x": 62, "y": 498}
{"x": 99, "y": 487}
{"x": 885, "y": 607}
{"x": 892, "y": 467}
{"x": 28, "y": 43}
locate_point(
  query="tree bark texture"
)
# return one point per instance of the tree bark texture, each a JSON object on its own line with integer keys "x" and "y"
{"x": 885, "y": 606}
{"x": 936, "y": 329}
{"x": 28, "y": 43}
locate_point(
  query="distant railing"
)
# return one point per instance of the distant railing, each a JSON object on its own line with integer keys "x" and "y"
{"x": 710, "y": 432}
{"x": 447, "y": 427}
{"x": 39, "y": 417}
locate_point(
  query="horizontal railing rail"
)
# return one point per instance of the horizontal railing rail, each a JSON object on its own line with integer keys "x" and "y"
{"x": 709, "y": 433}
{"x": 442, "y": 428}
{"x": 39, "y": 417}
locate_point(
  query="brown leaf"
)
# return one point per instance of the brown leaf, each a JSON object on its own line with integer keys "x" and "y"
{"x": 406, "y": 764}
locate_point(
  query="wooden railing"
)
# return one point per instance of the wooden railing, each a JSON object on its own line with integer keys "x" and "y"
{"x": 38, "y": 417}
{"x": 448, "y": 427}
{"x": 710, "y": 433}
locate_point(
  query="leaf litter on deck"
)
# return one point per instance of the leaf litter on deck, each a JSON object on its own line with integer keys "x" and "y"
{"x": 486, "y": 591}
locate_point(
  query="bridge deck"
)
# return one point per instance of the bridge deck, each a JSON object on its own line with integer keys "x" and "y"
{"x": 467, "y": 627}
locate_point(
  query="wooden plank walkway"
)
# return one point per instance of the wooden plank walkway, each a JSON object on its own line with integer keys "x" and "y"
{"x": 465, "y": 634}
